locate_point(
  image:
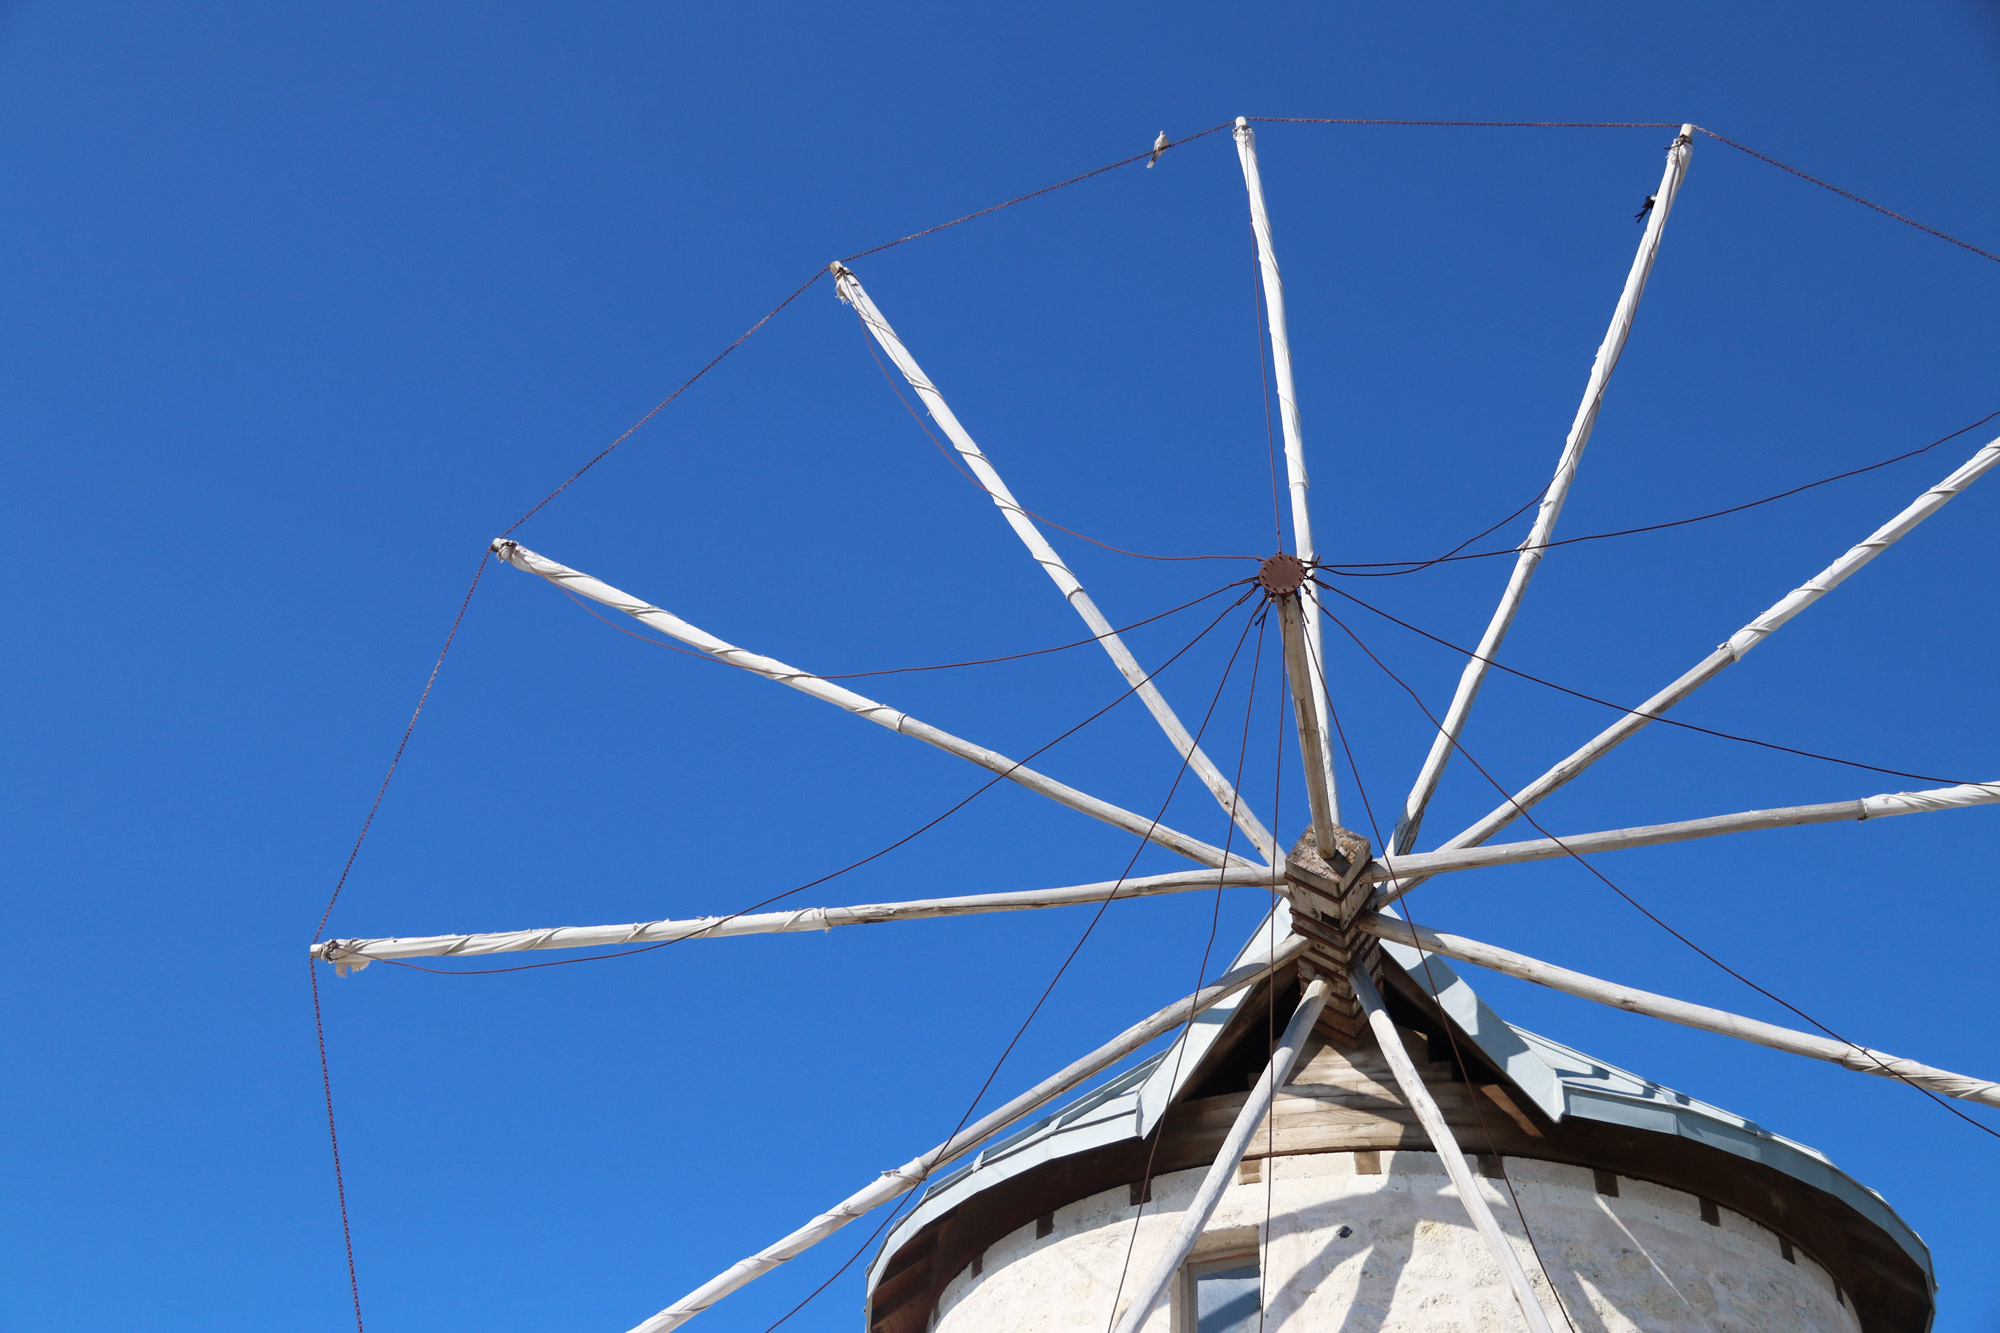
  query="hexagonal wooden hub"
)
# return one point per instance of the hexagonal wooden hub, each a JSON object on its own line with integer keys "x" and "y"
{"x": 1327, "y": 895}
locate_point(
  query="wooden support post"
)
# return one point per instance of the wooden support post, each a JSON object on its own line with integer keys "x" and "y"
{"x": 1223, "y": 1170}
{"x": 1432, "y": 1119}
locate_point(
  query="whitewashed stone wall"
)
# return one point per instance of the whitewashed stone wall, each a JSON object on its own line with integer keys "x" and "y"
{"x": 1411, "y": 1261}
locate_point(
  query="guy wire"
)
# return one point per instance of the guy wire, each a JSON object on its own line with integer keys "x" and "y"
{"x": 1271, "y": 997}
{"x": 1444, "y": 1019}
{"x": 1180, "y": 1043}
{"x": 1640, "y": 907}
{"x": 981, "y": 790}
{"x": 1264, "y": 378}
{"x": 938, "y": 666}
{"x": 1635, "y": 712}
{"x": 1378, "y": 569}
{"x": 1144, "y": 843}
{"x": 951, "y": 456}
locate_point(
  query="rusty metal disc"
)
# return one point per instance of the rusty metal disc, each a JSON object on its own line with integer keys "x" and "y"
{"x": 1283, "y": 573}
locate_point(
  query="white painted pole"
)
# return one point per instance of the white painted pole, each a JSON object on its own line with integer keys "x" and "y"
{"x": 1739, "y": 643}
{"x": 351, "y": 955}
{"x": 918, "y": 1169}
{"x": 1861, "y": 1059}
{"x": 1432, "y": 1119}
{"x": 1202, "y": 1207}
{"x": 1402, "y": 869}
{"x": 1532, "y": 550}
{"x": 1288, "y": 417}
{"x": 881, "y": 714}
{"x": 1052, "y": 564}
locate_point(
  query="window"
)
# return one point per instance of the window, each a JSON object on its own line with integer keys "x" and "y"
{"x": 1225, "y": 1295}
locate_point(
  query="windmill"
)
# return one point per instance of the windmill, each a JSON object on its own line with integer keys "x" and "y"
{"x": 1315, "y": 1175}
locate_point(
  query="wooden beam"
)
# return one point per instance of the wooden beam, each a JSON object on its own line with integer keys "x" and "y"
{"x": 881, "y": 715}
{"x": 1539, "y": 536}
{"x": 351, "y": 955}
{"x": 1422, "y": 865}
{"x": 1297, "y": 481}
{"x": 1773, "y": 619}
{"x": 1446, "y": 1146}
{"x": 1066, "y": 581}
{"x": 1861, "y": 1059}
{"x": 1202, "y": 1207}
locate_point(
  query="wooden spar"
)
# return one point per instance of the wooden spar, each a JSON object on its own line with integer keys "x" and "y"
{"x": 1053, "y": 565}
{"x": 1400, "y": 869}
{"x": 1288, "y": 417}
{"x": 1432, "y": 1119}
{"x": 1732, "y": 651}
{"x": 881, "y": 714}
{"x": 352, "y": 954}
{"x": 1858, "y": 1058}
{"x": 1532, "y": 550}
{"x": 1223, "y": 1170}
{"x": 1312, "y": 736}
{"x": 918, "y": 1169}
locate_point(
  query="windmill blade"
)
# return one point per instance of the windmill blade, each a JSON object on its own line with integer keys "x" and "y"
{"x": 1400, "y": 869}
{"x": 1861, "y": 1059}
{"x": 1195, "y": 1216}
{"x": 1297, "y": 480}
{"x": 881, "y": 714}
{"x": 1053, "y": 565}
{"x": 1446, "y": 1145}
{"x": 1531, "y": 552}
{"x": 918, "y": 1169}
{"x": 1731, "y": 652}
{"x": 352, "y": 955}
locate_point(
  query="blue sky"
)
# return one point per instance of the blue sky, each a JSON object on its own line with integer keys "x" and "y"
{"x": 304, "y": 306}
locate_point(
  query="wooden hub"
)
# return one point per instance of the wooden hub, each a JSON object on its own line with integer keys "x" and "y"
{"x": 1327, "y": 894}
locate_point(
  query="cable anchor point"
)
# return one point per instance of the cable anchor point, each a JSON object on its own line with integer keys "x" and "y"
{"x": 1282, "y": 574}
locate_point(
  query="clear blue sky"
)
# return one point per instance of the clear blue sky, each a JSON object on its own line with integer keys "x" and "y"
{"x": 305, "y": 305}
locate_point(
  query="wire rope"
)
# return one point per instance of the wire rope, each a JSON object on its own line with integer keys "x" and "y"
{"x": 1180, "y": 1042}
{"x": 1096, "y": 917}
{"x": 1637, "y": 712}
{"x": 1388, "y": 568}
{"x": 877, "y": 855}
{"x": 1641, "y": 908}
{"x": 1633, "y": 125}
{"x": 1271, "y": 1004}
{"x": 1264, "y": 381}
{"x": 333, "y": 1136}
{"x": 1450, "y": 1030}
{"x": 951, "y": 456}
{"x": 936, "y": 666}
